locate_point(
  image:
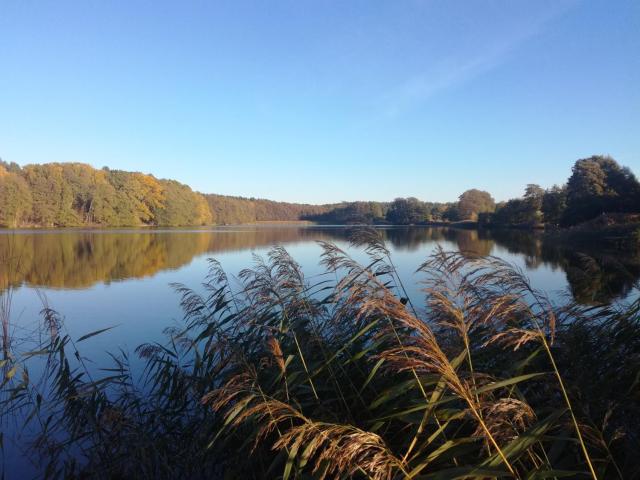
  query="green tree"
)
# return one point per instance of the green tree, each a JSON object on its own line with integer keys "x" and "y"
{"x": 181, "y": 206}
{"x": 52, "y": 196}
{"x": 12, "y": 167}
{"x": 230, "y": 210}
{"x": 554, "y": 203}
{"x": 472, "y": 202}
{"x": 407, "y": 211}
{"x": 15, "y": 199}
{"x": 597, "y": 185}
{"x": 515, "y": 211}
{"x": 533, "y": 196}
{"x": 138, "y": 197}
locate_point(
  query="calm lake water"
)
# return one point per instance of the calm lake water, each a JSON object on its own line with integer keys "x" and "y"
{"x": 121, "y": 278}
{"x": 97, "y": 279}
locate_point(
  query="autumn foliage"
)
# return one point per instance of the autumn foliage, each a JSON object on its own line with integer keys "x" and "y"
{"x": 76, "y": 194}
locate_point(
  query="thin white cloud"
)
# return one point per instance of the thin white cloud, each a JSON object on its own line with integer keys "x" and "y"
{"x": 463, "y": 67}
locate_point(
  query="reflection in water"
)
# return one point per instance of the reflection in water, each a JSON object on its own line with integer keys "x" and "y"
{"x": 79, "y": 259}
{"x": 82, "y": 258}
{"x": 594, "y": 274}
{"x": 413, "y": 238}
{"x": 601, "y": 278}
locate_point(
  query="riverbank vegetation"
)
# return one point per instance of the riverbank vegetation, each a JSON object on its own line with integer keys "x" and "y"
{"x": 343, "y": 376}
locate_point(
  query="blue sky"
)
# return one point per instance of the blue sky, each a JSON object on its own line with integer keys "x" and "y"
{"x": 322, "y": 101}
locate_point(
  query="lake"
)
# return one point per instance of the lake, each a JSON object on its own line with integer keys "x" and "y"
{"x": 122, "y": 278}
{"x": 100, "y": 278}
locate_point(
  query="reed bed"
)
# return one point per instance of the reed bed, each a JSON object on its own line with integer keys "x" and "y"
{"x": 275, "y": 376}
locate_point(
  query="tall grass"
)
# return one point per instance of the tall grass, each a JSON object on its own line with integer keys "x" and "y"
{"x": 276, "y": 376}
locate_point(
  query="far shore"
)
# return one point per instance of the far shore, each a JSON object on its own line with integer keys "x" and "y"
{"x": 620, "y": 225}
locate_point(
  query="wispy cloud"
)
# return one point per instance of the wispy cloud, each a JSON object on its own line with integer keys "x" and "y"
{"x": 463, "y": 66}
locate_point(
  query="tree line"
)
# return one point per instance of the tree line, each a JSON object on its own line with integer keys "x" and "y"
{"x": 408, "y": 211}
{"x": 226, "y": 210}
{"x": 597, "y": 185}
{"x": 75, "y": 194}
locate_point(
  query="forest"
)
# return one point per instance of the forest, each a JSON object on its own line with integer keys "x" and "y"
{"x": 76, "y": 194}
{"x": 597, "y": 185}
{"x": 226, "y": 210}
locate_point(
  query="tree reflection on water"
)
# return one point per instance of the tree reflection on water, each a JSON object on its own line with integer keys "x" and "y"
{"x": 80, "y": 259}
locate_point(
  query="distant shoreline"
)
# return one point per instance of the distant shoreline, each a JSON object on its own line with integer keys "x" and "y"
{"x": 600, "y": 224}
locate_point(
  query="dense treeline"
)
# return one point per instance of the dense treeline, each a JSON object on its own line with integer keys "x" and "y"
{"x": 597, "y": 185}
{"x": 226, "y": 210}
{"x": 409, "y": 211}
{"x": 76, "y": 194}
{"x": 402, "y": 211}
{"x": 353, "y": 213}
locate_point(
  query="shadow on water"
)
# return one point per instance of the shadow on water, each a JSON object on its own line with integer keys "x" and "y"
{"x": 80, "y": 259}
{"x": 595, "y": 275}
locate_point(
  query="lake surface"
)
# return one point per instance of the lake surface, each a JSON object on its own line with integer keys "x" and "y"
{"x": 121, "y": 278}
{"x": 97, "y": 279}
{"x": 100, "y": 278}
